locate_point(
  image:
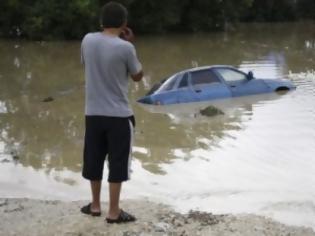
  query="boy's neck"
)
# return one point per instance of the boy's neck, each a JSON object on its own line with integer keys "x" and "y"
{"x": 112, "y": 31}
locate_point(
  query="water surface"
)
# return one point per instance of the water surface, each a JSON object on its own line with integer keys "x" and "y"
{"x": 256, "y": 157}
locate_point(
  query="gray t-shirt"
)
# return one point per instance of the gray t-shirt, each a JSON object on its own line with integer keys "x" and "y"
{"x": 108, "y": 61}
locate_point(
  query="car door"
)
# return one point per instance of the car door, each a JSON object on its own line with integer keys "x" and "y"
{"x": 206, "y": 85}
{"x": 184, "y": 90}
{"x": 239, "y": 83}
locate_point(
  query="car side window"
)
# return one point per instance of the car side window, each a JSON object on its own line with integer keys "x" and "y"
{"x": 230, "y": 74}
{"x": 184, "y": 81}
{"x": 204, "y": 77}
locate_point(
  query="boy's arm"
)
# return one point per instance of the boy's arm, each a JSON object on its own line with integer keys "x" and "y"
{"x": 133, "y": 64}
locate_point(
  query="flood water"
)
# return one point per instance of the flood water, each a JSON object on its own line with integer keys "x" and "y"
{"x": 257, "y": 155}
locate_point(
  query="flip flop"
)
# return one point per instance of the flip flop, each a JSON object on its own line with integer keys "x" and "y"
{"x": 87, "y": 210}
{"x": 123, "y": 217}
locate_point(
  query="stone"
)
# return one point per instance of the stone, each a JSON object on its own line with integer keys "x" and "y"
{"x": 161, "y": 227}
{"x": 48, "y": 99}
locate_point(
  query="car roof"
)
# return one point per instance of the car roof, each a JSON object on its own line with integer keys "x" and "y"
{"x": 207, "y": 67}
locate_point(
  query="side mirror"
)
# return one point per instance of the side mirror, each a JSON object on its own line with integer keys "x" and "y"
{"x": 250, "y": 75}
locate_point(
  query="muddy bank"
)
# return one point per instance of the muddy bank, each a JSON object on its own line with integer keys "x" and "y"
{"x": 37, "y": 217}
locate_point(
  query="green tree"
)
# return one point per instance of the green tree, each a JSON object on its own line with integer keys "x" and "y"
{"x": 46, "y": 19}
{"x": 306, "y": 9}
{"x": 272, "y": 10}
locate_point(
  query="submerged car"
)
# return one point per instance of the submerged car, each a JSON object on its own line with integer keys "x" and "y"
{"x": 210, "y": 83}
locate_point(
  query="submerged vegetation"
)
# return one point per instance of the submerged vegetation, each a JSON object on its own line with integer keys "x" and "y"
{"x": 59, "y": 19}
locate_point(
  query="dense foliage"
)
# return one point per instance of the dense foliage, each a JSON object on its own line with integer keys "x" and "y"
{"x": 45, "y": 19}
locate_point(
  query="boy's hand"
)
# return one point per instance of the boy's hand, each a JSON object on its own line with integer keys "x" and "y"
{"x": 127, "y": 35}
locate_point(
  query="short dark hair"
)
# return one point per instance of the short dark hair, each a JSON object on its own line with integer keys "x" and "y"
{"x": 113, "y": 15}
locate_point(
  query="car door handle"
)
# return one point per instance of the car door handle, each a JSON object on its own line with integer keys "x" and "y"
{"x": 198, "y": 91}
{"x": 233, "y": 86}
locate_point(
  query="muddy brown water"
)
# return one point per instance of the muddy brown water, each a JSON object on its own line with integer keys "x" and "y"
{"x": 256, "y": 155}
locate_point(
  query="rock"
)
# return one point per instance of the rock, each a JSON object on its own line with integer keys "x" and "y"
{"x": 186, "y": 221}
{"x": 205, "y": 218}
{"x": 211, "y": 111}
{"x": 178, "y": 223}
{"x": 15, "y": 157}
{"x": 48, "y": 99}
{"x": 3, "y": 203}
{"x": 19, "y": 208}
{"x": 183, "y": 233}
{"x": 5, "y": 161}
{"x": 161, "y": 227}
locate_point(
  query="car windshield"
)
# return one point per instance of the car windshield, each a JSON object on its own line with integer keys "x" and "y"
{"x": 164, "y": 85}
{"x": 155, "y": 87}
{"x": 230, "y": 74}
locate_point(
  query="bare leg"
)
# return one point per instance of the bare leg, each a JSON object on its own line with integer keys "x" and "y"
{"x": 114, "y": 195}
{"x": 96, "y": 193}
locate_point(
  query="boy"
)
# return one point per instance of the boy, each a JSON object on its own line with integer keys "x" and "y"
{"x": 108, "y": 61}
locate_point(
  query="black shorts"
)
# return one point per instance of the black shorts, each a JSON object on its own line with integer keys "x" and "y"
{"x": 111, "y": 137}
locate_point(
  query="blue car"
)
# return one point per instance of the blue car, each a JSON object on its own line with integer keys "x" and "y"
{"x": 210, "y": 83}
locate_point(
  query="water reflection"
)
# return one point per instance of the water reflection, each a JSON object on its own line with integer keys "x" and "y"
{"x": 41, "y": 135}
{"x": 270, "y": 66}
{"x": 171, "y": 128}
{"x": 191, "y": 126}
{"x": 43, "y": 138}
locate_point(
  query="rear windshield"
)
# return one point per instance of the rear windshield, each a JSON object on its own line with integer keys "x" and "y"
{"x": 230, "y": 75}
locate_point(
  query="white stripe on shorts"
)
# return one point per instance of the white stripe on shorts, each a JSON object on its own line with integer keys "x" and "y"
{"x": 130, "y": 151}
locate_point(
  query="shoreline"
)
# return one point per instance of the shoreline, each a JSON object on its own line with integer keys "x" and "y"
{"x": 22, "y": 216}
